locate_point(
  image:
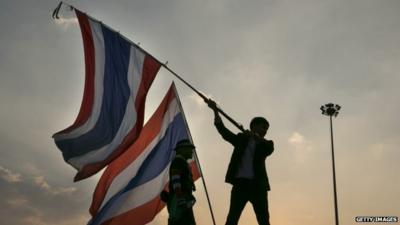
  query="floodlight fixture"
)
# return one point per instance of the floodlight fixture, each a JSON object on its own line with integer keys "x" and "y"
{"x": 330, "y": 109}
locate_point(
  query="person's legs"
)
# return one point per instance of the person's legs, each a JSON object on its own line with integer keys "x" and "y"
{"x": 186, "y": 219}
{"x": 190, "y": 218}
{"x": 239, "y": 198}
{"x": 259, "y": 200}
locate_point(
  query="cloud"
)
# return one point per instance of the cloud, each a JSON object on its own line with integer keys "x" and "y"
{"x": 299, "y": 142}
{"x": 33, "y": 200}
{"x": 39, "y": 181}
{"x": 31, "y": 169}
{"x": 301, "y": 145}
{"x": 42, "y": 183}
{"x": 199, "y": 100}
{"x": 297, "y": 139}
{"x": 34, "y": 220}
{"x": 10, "y": 176}
{"x": 65, "y": 23}
{"x": 17, "y": 202}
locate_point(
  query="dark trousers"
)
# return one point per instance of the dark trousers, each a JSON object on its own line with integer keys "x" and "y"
{"x": 245, "y": 190}
{"x": 187, "y": 218}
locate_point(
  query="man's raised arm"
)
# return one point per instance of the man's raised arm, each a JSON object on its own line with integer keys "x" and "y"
{"x": 225, "y": 132}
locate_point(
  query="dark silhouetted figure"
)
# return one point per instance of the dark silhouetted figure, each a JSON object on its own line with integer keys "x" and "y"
{"x": 180, "y": 199}
{"x": 246, "y": 170}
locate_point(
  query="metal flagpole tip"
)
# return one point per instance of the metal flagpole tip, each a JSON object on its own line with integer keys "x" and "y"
{"x": 330, "y": 109}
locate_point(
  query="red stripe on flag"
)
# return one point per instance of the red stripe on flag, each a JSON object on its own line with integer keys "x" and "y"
{"x": 148, "y": 211}
{"x": 149, "y": 132}
{"x": 195, "y": 170}
{"x": 88, "y": 92}
{"x": 140, "y": 215}
{"x": 150, "y": 69}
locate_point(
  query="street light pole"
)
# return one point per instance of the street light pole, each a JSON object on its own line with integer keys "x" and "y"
{"x": 332, "y": 110}
{"x": 334, "y": 176}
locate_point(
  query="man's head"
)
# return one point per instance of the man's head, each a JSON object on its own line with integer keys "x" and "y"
{"x": 185, "y": 148}
{"x": 259, "y": 125}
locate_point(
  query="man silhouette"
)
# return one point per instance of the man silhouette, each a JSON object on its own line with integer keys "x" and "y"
{"x": 246, "y": 170}
{"x": 180, "y": 199}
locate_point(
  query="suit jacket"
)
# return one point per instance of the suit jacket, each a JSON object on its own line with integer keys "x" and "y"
{"x": 239, "y": 141}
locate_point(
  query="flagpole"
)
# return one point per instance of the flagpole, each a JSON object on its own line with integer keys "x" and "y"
{"x": 195, "y": 156}
{"x": 239, "y": 126}
{"x": 230, "y": 119}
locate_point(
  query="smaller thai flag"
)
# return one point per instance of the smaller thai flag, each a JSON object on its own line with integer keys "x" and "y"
{"x": 128, "y": 191}
{"x": 117, "y": 79}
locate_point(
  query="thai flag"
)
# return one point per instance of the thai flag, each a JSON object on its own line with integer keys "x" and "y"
{"x": 128, "y": 191}
{"x": 118, "y": 77}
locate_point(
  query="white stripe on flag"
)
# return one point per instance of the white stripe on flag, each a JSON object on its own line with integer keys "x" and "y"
{"x": 123, "y": 178}
{"x": 139, "y": 195}
{"x": 98, "y": 42}
{"x": 136, "y": 61}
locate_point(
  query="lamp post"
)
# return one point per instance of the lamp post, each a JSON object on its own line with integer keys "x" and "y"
{"x": 330, "y": 110}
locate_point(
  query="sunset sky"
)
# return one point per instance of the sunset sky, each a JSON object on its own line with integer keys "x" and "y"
{"x": 281, "y": 59}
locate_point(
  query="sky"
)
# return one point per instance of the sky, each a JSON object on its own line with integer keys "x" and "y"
{"x": 277, "y": 59}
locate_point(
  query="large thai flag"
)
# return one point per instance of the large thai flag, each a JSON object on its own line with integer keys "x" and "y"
{"x": 128, "y": 191}
{"x": 118, "y": 77}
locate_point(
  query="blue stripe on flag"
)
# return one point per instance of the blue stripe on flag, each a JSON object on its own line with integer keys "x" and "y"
{"x": 153, "y": 165}
{"x": 115, "y": 97}
{"x": 161, "y": 155}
